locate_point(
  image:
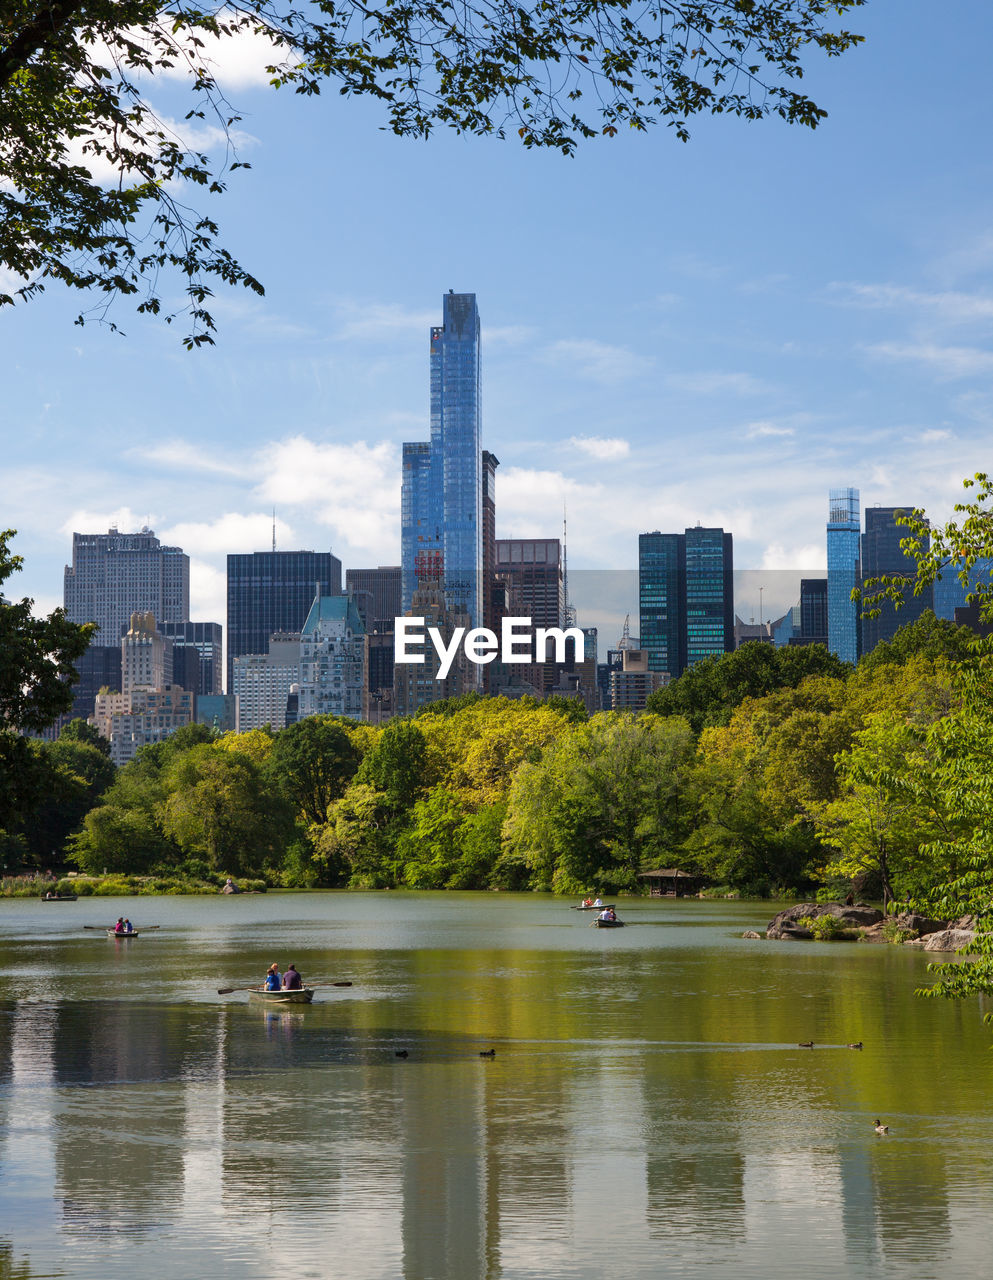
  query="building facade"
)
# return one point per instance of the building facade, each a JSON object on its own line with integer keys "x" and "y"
{"x": 686, "y": 597}
{"x": 262, "y": 683}
{"x": 843, "y": 534}
{"x": 130, "y": 721}
{"x": 332, "y": 660}
{"x": 441, "y": 493}
{"x": 115, "y": 574}
{"x": 146, "y": 655}
{"x": 271, "y": 592}
{"x": 197, "y": 655}
{"x": 378, "y": 594}
{"x": 881, "y": 554}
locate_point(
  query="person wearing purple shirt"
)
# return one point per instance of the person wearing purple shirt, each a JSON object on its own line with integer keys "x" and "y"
{"x": 291, "y": 979}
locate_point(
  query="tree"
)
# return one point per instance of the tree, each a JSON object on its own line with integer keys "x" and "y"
{"x": 79, "y": 730}
{"x": 960, "y": 547}
{"x": 37, "y": 655}
{"x": 708, "y": 692}
{"x": 95, "y": 180}
{"x": 312, "y": 762}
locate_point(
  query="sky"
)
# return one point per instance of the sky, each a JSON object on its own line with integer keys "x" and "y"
{"x": 717, "y": 332}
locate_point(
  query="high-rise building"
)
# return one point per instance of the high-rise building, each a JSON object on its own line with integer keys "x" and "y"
{"x": 116, "y": 574}
{"x": 196, "y": 655}
{"x": 709, "y": 594}
{"x": 441, "y": 496}
{"x": 332, "y": 659}
{"x": 146, "y": 655}
{"x": 417, "y": 684}
{"x": 813, "y": 612}
{"x": 661, "y": 599}
{"x": 492, "y": 597}
{"x": 272, "y": 591}
{"x": 378, "y": 593}
{"x": 262, "y": 683}
{"x": 843, "y": 533}
{"x": 686, "y": 597}
{"x": 882, "y": 555}
{"x": 532, "y": 568}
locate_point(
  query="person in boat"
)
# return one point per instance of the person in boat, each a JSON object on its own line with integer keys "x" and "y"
{"x": 119, "y": 927}
{"x": 128, "y": 927}
{"x": 597, "y": 902}
{"x": 291, "y": 979}
{"x": 273, "y": 982}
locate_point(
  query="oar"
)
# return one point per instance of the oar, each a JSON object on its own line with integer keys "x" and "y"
{"x": 226, "y": 991}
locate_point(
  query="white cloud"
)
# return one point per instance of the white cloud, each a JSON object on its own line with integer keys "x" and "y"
{"x": 598, "y": 361}
{"x": 380, "y": 322}
{"x": 88, "y": 520}
{"x": 757, "y": 430}
{"x": 810, "y": 556}
{"x": 233, "y": 531}
{"x": 946, "y": 363}
{"x": 713, "y": 383}
{"x": 184, "y": 456}
{"x": 603, "y": 448}
{"x": 950, "y": 305}
{"x": 208, "y": 592}
{"x": 935, "y": 436}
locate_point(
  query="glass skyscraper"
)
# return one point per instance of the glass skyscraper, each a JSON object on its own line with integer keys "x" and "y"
{"x": 686, "y": 597}
{"x": 441, "y": 499}
{"x": 882, "y": 554}
{"x": 272, "y": 591}
{"x": 843, "y": 532}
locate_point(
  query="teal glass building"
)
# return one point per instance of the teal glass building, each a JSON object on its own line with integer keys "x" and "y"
{"x": 843, "y": 534}
{"x": 441, "y": 493}
{"x": 686, "y": 597}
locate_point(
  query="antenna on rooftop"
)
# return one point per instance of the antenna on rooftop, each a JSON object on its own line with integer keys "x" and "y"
{"x": 570, "y": 612}
{"x": 274, "y": 528}
{"x": 625, "y": 640}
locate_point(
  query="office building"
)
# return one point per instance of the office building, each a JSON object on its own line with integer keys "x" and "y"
{"x": 813, "y": 611}
{"x": 116, "y": 574}
{"x": 378, "y": 594}
{"x": 146, "y": 655}
{"x": 686, "y": 597}
{"x": 196, "y": 655}
{"x": 98, "y": 669}
{"x": 882, "y": 555}
{"x": 493, "y": 598}
{"x": 332, "y": 660}
{"x": 217, "y": 711}
{"x": 532, "y": 570}
{"x": 633, "y": 681}
{"x": 262, "y": 683}
{"x": 661, "y": 600}
{"x": 844, "y": 624}
{"x": 416, "y": 684}
{"x": 270, "y": 592}
{"x": 441, "y": 493}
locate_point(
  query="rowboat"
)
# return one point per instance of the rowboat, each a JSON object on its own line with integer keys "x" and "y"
{"x": 59, "y": 897}
{"x": 301, "y": 995}
{"x": 602, "y": 907}
{"x": 609, "y": 924}
{"x": 112, "y": 933}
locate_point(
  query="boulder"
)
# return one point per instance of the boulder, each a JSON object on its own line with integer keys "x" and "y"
{"x": 921, "y": 925}
{"x": 948, "y": 940}
{"x": 874, "y": 932}
{"x": 853, "y": 917}
{"x": 963, "y": 922}
{"x": 750, "y": 933}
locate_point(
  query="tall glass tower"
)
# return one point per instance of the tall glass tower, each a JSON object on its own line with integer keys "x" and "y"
{"x": 843, "y": 532}
{"x": 442, "y": 498}
{"x": 661, "y": 600}
{"x": 709, "y": 594}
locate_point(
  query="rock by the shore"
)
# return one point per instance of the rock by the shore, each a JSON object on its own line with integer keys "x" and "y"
{"x": 948, "y": 939}
{"x": 750, "y": 933}
{"x": 858, "y": 916}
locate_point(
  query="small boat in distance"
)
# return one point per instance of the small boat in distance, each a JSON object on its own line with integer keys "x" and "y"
{"x": 299, "y": 995}
{"x": 592, "y": 907}
{"x": 608, "y": 924}
{"x": 122, "y": 933}
{"x": 59, "y": 897}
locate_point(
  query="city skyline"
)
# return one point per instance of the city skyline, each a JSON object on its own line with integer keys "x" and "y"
{"x": 713, "y": 333}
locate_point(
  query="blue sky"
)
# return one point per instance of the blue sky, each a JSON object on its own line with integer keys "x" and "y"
{"x": 718, "y": 331}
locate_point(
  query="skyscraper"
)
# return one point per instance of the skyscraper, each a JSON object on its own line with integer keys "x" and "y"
{"x": 843, "y": 531}
{"x": 116, "y": 574}
{"x": 270, "y": 591}
{"x": 441, "y": 498}
{"x": 686, "y": 597}
{"x": 882, "y": 555}
{"x": 376, "y": 592}
{"x": 661, "y": 600}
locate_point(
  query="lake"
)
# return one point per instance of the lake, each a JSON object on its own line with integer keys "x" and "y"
{"x": 647, "y": 1111}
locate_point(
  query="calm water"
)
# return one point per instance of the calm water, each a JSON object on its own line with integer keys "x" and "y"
{"x": 647, "y": 1113}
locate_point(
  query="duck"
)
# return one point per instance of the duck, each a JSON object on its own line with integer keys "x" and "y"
{"x": 856, "y": 1046}
{"x": 400, "y": 1053}
{"x": 487, "y": 1053}
{"x": 805, "y": 1044}
{"x": 880, "y": 1128}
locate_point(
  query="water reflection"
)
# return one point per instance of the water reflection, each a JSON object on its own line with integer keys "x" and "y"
{"x": 650, "y": 1106}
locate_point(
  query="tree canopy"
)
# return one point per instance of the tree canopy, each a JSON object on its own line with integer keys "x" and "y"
{"x": 96, "y": 180}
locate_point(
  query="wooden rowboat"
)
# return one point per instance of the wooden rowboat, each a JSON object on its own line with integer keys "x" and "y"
{"x": 602, "y": 907}
{"x": 609, "y": 924}
{"x": 301, "y": 995}
{"x": 59, "y": 897}
{"x": 112, "y": 933}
